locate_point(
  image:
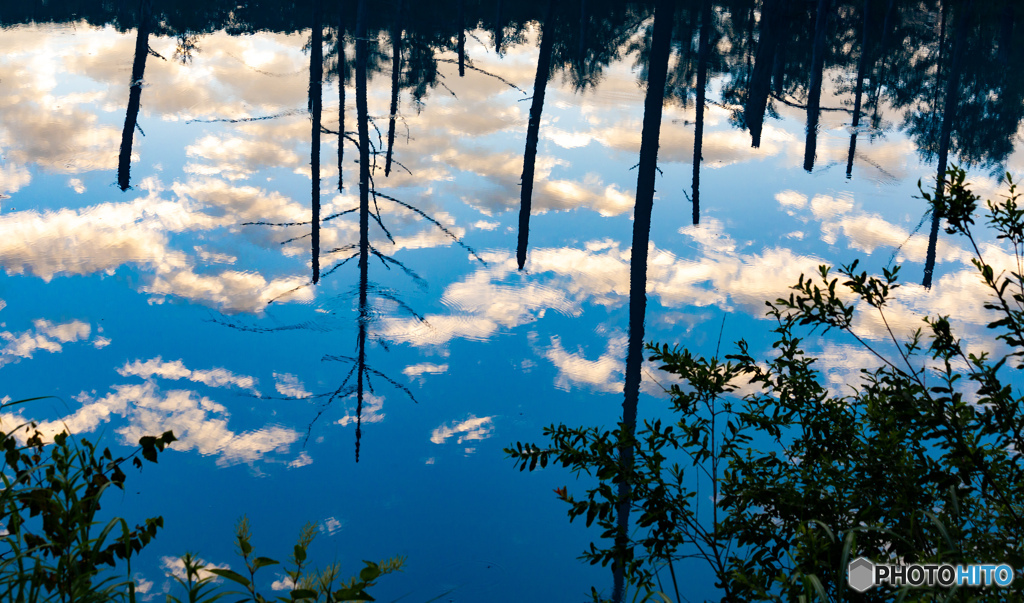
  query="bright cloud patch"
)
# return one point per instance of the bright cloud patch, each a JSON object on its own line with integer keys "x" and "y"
{"x": 372, "y": 407}
{"x": 415, "y": 372}
{"x": 791, "y": 199}
{"x": 44, "y": 335}
{"x": 199, "y": 423}
{"x": 301, "y": 461}
{"x": 331, "y": 525}
{"x": 603, "y": 374}
{"x": 289, "y": 385}
{"x": 174, "y": 566}
{"x": 217, "y": 377}
{"x": 473, "y": 428}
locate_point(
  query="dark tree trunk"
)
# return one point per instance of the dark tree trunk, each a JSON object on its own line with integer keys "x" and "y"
{"x": 859, "y": 91}
{"x": 316, "y": 74}
{"x": 499, "y": 29}
{"x": 124, "y": 159}
{"x": 582, "y": 50}
{"x": 963, "y": 18}
{"x": 817, "y": 71}
{"x": 462, "y": 38}
{"x": 342, "y": 69}
{"x": 396, "y": 70}
{"x": 702, "y": 80}
{"x": 657, "y": 74}
{"x": 540, "y": 84}
{"x": 882, "y": 44}
{"x": 764, "y": 63}
{"x": 362, "y": 116}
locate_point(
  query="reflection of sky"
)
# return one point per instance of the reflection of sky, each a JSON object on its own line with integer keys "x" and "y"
{"x": 122, "y": 303}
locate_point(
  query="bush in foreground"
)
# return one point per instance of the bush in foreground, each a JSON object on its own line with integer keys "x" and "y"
{"x": 55, "y": 549}
{"x": 919, "y": 464}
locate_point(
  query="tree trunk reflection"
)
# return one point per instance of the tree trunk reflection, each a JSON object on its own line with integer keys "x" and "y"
{"x": 657, "y": 74}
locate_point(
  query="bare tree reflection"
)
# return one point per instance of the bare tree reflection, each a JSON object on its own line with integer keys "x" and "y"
{"x": 358, "y": 381}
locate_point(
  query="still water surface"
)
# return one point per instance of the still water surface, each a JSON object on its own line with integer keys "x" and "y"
{"x": 179, "y": 251}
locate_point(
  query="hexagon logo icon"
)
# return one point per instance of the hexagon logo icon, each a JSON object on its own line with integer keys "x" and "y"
{"x": 860, "y": 574}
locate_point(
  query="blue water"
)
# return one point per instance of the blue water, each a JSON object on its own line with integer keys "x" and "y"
{"x": 147, "y": 310}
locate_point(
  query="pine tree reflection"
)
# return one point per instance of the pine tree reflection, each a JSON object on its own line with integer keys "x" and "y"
{"x": 342, "y": 69}
{"x": 396, "y": 71}
{"x": 703, "y": 52}
{"x": 581, "y": 52}
{"x": 499, "y": 28}
{"x": 880, "y": 74}
{"x": 859, "y": 91}
{"x": 134, "y": 96}
{"x": 540, "y": 84}
{"x": 316, "y": 75}
{"x": 817, "y": 71}
{"x": 462, "y": 38}
{"x": 771, "y": 25}
{"x": 949, "y": 111}
{"x": 647, "y": 168}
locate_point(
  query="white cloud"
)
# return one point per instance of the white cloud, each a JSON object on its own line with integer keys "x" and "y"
{"x": 791, "y": 199}
{"x": 217, "y": 377}
{"x": 473, "y": 428}
{"x": 603, "y": 374}
{"x": 282, "y": 583}
{"x": 372, "y": 407}
{"x": 825, "y": 207}
{"x": 211, "y": 257}
{"x": 44, "y": 335}
{"x": 331, "y": 526}
{"x": 289, "y": 385}
{"x": 564, "y": 279}
{"x": 301, "y": 461}
{"x": 13, "y": 178}
{"x": 142, "y": 586}
{"x": 236, "y": 158}
{"x": 415, "y": 372}
{"x": 99, "y": 238}
{"x": 198, "y": 422}
{"x": 232, "y": 291}
{"x": 174, "y": 566}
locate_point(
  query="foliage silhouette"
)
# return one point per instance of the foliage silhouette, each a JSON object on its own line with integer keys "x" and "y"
{"x": 318, "y": 585}
{"x": 55, "y": 548}
{"x": 918, "y": 464}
